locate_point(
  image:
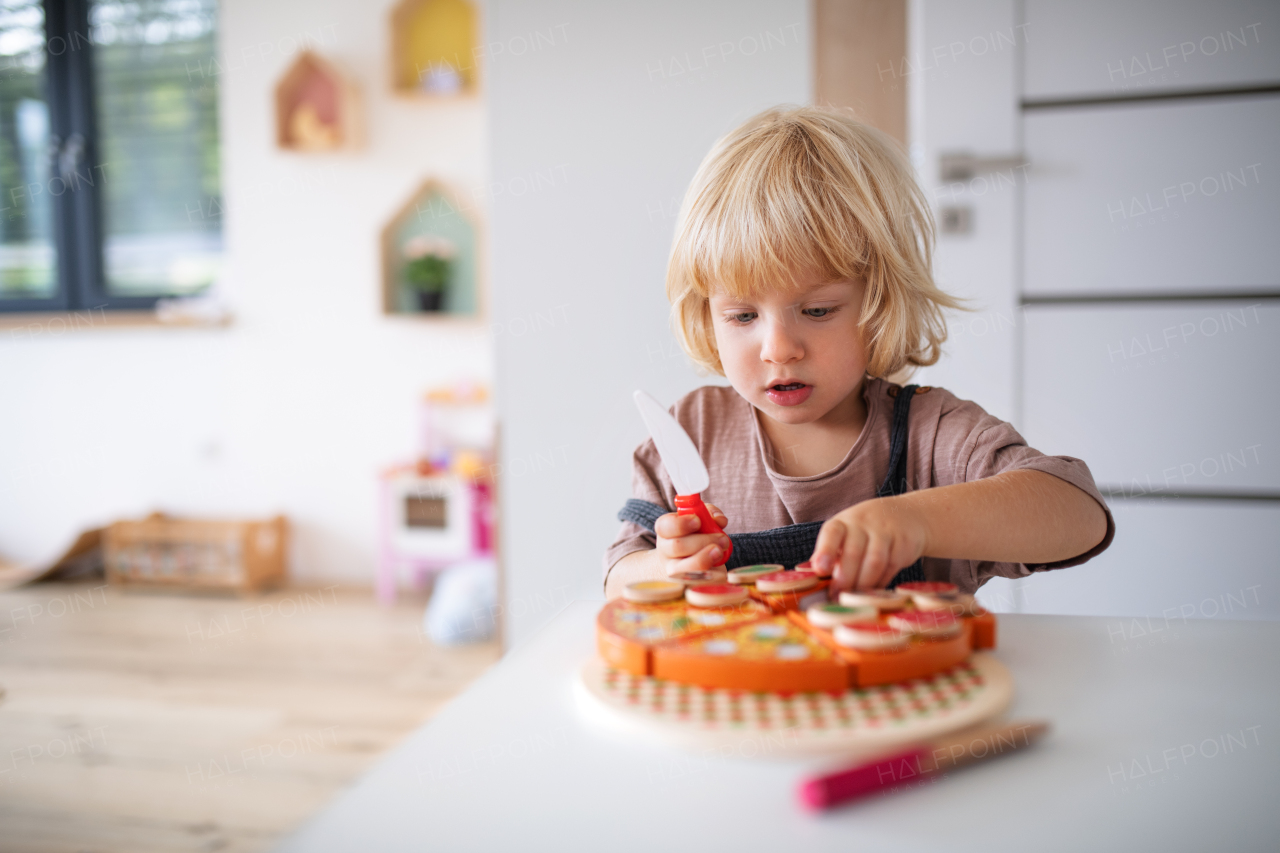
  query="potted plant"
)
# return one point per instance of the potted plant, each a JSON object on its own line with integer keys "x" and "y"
{"x": 428, "y": 263}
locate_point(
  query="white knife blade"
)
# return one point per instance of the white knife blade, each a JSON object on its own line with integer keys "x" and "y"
{"x": 683, "y": 463}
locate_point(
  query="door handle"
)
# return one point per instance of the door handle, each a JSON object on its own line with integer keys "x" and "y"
{"x": 963, "y": 166}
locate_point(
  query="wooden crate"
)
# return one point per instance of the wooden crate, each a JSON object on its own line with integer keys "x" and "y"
{"x": 160, "y": 551}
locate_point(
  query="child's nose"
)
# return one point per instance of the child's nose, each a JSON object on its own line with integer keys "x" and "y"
{"x": 780, "y": 344}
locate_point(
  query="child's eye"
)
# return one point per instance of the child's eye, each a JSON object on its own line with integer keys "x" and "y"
{"x": 743, "y": 317}
{"x": 817, "y": 313}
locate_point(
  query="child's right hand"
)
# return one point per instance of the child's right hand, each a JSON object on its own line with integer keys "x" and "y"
{"x": 684, "y": 549}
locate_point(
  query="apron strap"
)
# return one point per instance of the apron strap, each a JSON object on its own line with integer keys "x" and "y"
{"x": 895, "y": 483}
{"x": 642, "y": 513}
{"x": 795, "y": 543}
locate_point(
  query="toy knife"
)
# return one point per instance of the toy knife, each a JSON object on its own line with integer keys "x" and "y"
{"x": 685, "y": 467}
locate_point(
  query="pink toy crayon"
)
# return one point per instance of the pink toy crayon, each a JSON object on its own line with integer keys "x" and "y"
{"x": 918, "y": 763}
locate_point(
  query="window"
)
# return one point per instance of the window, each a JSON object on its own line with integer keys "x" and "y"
{"x": 109, "y": 173}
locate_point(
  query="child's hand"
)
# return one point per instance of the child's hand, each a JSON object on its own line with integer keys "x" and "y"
{"x": 684, "y": 549}
{"x": 868, "y": 543}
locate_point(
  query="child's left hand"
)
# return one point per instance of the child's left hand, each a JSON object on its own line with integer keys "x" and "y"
{"x": 868, "y": 543}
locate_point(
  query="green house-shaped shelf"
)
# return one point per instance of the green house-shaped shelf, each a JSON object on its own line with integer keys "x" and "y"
{"x": 433, "y": 217}
{"x": 433, "y": 48}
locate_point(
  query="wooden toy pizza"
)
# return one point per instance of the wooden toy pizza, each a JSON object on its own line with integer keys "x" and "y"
{"x": 765, "y": 652}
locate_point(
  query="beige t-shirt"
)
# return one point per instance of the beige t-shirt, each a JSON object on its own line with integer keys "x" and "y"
{"x": 950, "y": 441}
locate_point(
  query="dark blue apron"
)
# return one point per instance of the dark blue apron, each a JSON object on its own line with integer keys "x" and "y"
{"x": 795, "y": 543}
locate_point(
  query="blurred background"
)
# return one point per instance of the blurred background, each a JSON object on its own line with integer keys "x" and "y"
{"x": 319, "y": 324}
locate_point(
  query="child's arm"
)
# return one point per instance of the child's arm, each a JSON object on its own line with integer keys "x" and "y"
{"x": 680, "y": 548}
{"x": 1022, "y": 516}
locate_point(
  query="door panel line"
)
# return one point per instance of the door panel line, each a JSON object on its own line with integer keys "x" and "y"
{"x": 1184, "y": 95}
{"x": 1108, "y": 298}
{"x": 1191, "y": 495}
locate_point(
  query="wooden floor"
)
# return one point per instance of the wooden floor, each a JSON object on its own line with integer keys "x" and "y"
{"x": 143, "y": 722}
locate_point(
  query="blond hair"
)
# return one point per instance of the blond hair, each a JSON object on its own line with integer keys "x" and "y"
{"x": 799, "y": 190}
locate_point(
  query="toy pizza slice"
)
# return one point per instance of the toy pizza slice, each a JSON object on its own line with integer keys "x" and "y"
{"x": 771, "y": 654}
{"x": 883, "y": 652}
{"x": 626, "y": 631}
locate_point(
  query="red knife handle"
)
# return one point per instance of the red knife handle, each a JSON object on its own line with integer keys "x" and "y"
{"x": 693, "y": 505}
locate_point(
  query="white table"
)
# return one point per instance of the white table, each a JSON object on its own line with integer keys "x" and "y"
{"x": 1146, "y": 755}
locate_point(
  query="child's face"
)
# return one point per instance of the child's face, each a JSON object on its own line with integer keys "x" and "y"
{"x": 793, "y": 354}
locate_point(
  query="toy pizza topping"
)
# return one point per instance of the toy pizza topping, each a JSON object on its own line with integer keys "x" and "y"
{"x": 871, "y": 636}
{"x": 716, "y": 589}
{"x": 715, "y": 595}
{"x": 960, "y": 605}
{"x": 749, "y": 574}
{"x": 650, "y": 591}
{"x": 877, "y": 628}
{"x": 691, "y": 578}
{"x": 786, "y": 581}
{"x": 831, "y": 615}
{"x": 930, "y": 623}
{"x": 808, "y": 566}
{"x": 882, "y": 599}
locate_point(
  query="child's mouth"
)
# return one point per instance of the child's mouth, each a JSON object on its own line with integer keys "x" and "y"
{"x": 789, "y": 394}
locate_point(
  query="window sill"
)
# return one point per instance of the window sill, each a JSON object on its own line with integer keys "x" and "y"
{"x": 38, "y": 323}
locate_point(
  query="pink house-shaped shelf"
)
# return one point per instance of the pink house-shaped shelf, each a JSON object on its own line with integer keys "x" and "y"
{"x": 315, "y": 107}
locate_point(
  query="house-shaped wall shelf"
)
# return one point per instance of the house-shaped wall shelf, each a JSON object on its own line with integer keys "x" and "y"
{"x": 433, "y": 48}
{"x": 315, "y": 107}
{"x": 433, "y": 221}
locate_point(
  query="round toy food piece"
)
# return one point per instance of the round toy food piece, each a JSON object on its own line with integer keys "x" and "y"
{"x": 749, "y": 574}
{"x": 786, "y": 581}
{"x": 647, "y": 592}
{"x": 807, "y": 566}
{"x": 715, "y": 595}
{"x": 957, "y": 604}
{"x": 926, "y": 623}
{"x": 881, "y": 599}
{"x": 871, "y": 637}
{"x": 699, "y": 578}
{"x": 831, "y": 615}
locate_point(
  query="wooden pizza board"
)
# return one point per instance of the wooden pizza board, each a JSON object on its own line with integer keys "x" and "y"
{"x": 787, "y": 725}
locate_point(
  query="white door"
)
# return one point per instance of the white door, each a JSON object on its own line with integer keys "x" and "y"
{"x": 1125, "y": 280}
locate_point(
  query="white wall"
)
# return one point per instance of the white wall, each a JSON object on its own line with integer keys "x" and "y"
{"x": 296, "y": 405}
{"x": 624, "y": 110}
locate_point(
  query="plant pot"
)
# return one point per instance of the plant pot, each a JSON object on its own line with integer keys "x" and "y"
{"x": 430, "y": 301}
